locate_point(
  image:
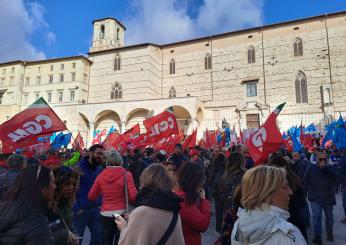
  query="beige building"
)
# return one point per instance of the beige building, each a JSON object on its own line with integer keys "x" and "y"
{"x": 237, "y": 77}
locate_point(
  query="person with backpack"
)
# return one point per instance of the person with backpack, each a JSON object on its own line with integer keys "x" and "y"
{"x": 155, "y": 220}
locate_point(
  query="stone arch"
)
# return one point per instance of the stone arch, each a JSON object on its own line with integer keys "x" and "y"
{"x": 183, "y": 117}
{"x": 107, "y": 118}
{"x": 77, "y": 122}
{"x": 135, "y": 116}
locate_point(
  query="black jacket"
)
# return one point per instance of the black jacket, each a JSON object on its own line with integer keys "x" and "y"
{"x": 7, "y": 178}
{"x": 32, "y": 229}
{"x": 320, "y": 184}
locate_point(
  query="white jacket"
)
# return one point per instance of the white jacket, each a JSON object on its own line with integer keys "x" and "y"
{"x": 259, "y": 227}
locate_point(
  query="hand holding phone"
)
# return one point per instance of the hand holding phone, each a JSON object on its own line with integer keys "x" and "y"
{"x": 120, "y": 221}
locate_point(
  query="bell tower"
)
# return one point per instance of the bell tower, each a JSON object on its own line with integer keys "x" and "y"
{"x": 108, "y": 33}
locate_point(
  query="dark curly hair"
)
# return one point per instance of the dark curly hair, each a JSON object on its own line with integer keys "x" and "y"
{"x": 63, "y": 176}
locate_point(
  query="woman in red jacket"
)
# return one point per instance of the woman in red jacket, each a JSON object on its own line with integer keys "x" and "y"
{"x": 195, "y": 209}
{"x": 111, "y": 184}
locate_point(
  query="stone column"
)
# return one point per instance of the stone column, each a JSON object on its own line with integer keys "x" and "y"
{"x": 91, "y": 133}
{"x": 122, "y": 127}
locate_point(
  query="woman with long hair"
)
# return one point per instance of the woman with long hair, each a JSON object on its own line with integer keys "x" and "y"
{"x": 116, "y": 186}
{"x": 298, "y": 202}
{"x": 265, "y": 197}
{"x": 195, "y": 209}
{"x": 23, "y": 213}
{"x": 155, "y": 220}
{"x": 60, "y": 213}
{"x": 228, "y": 189}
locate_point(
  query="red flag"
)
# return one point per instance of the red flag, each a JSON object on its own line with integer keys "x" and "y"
{"x": 116, "y": 141}
{"x": 241, "y": 136}
{"x": 130, "y": 133}
{"x": 162, "y": 125}
{"x": 96, "y": 139}
{"x": 267, "y": 139}
{"x": 210, "y": 139}
{"x": 141, "y": 141}
{"x": 201, "y": 143}
{"x": 38, "y": 119}
{"x": 78, "y": 143}
{"x": 190, "y": 140}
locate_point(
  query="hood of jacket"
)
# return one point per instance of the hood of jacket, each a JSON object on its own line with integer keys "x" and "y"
{"x": 156, "y": 198}
{"x": 256, "y": 226}
{"x": 112, "y": 174}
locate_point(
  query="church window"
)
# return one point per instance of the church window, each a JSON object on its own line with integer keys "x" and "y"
{"x": 172, "y": 93}
{"x": 298, "y": 47}
{"x": 116, "y": 92}
{"x": 301, "y": 87}
{"x": 251, "y": 55}
{"x": 102, "y": 32}
{"x": 172, "y": 66}
{"x": 207, "y": 62}
{"x": 117, "y": 61}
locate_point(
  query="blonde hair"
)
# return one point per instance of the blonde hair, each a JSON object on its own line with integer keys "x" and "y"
{"x": 258, "y": 185}
{"x": 156, "y": 176}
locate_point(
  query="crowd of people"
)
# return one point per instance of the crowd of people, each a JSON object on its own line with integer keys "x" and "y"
{"x": 147, "y": 197}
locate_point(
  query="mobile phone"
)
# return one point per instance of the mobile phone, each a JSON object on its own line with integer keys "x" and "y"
{"x": 79, "y": 237}
{"x": 118, "y": 217}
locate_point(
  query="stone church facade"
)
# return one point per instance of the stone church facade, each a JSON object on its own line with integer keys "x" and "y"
{"x": 237, "y": 77}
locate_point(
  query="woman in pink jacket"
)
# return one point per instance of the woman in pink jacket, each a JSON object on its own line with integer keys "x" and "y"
{"x": 111, "y": 185}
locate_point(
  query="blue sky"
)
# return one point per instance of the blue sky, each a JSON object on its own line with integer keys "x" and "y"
{"x": 55, "y": 28}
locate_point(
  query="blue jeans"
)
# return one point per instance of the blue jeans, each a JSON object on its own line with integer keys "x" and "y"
{"x": 89, "y": 217}
{"x": 317, "y": 217}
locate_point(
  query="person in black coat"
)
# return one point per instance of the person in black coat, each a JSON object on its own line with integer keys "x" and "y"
{"x": 320, "y": 182}
{"x": 23, "y": 213}
{"x": 15, "y": 163}
{"x": 217, "y": 170}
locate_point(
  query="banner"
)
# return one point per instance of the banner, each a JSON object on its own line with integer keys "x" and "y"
{"x": 162, "y": 125}
{"x": 38, "y": 119}
{"x": 267, "y": 139}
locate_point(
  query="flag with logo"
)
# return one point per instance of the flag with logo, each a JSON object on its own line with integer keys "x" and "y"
{"x": 162, "y": 125}
{"x": 38, "y": 119}
{"x": 267, "y": 139}
{"x": 131, "y": 133}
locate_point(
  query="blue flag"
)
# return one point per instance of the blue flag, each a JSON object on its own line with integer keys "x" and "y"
{"x": 227, "y": 136}
{"x": 111, "y": 130}
{"x": 61, "y": 140}
{"x": 339, "y": 138}
{"x": 296, "y": 143}
{"x": 310, "y": 129}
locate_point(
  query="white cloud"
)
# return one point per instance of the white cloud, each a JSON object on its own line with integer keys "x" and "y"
{"x": 167, "y": 21}
{"x": 18, "y": 23}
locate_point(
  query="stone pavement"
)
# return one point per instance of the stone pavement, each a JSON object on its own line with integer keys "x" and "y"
{"x": 209, "y": 237}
